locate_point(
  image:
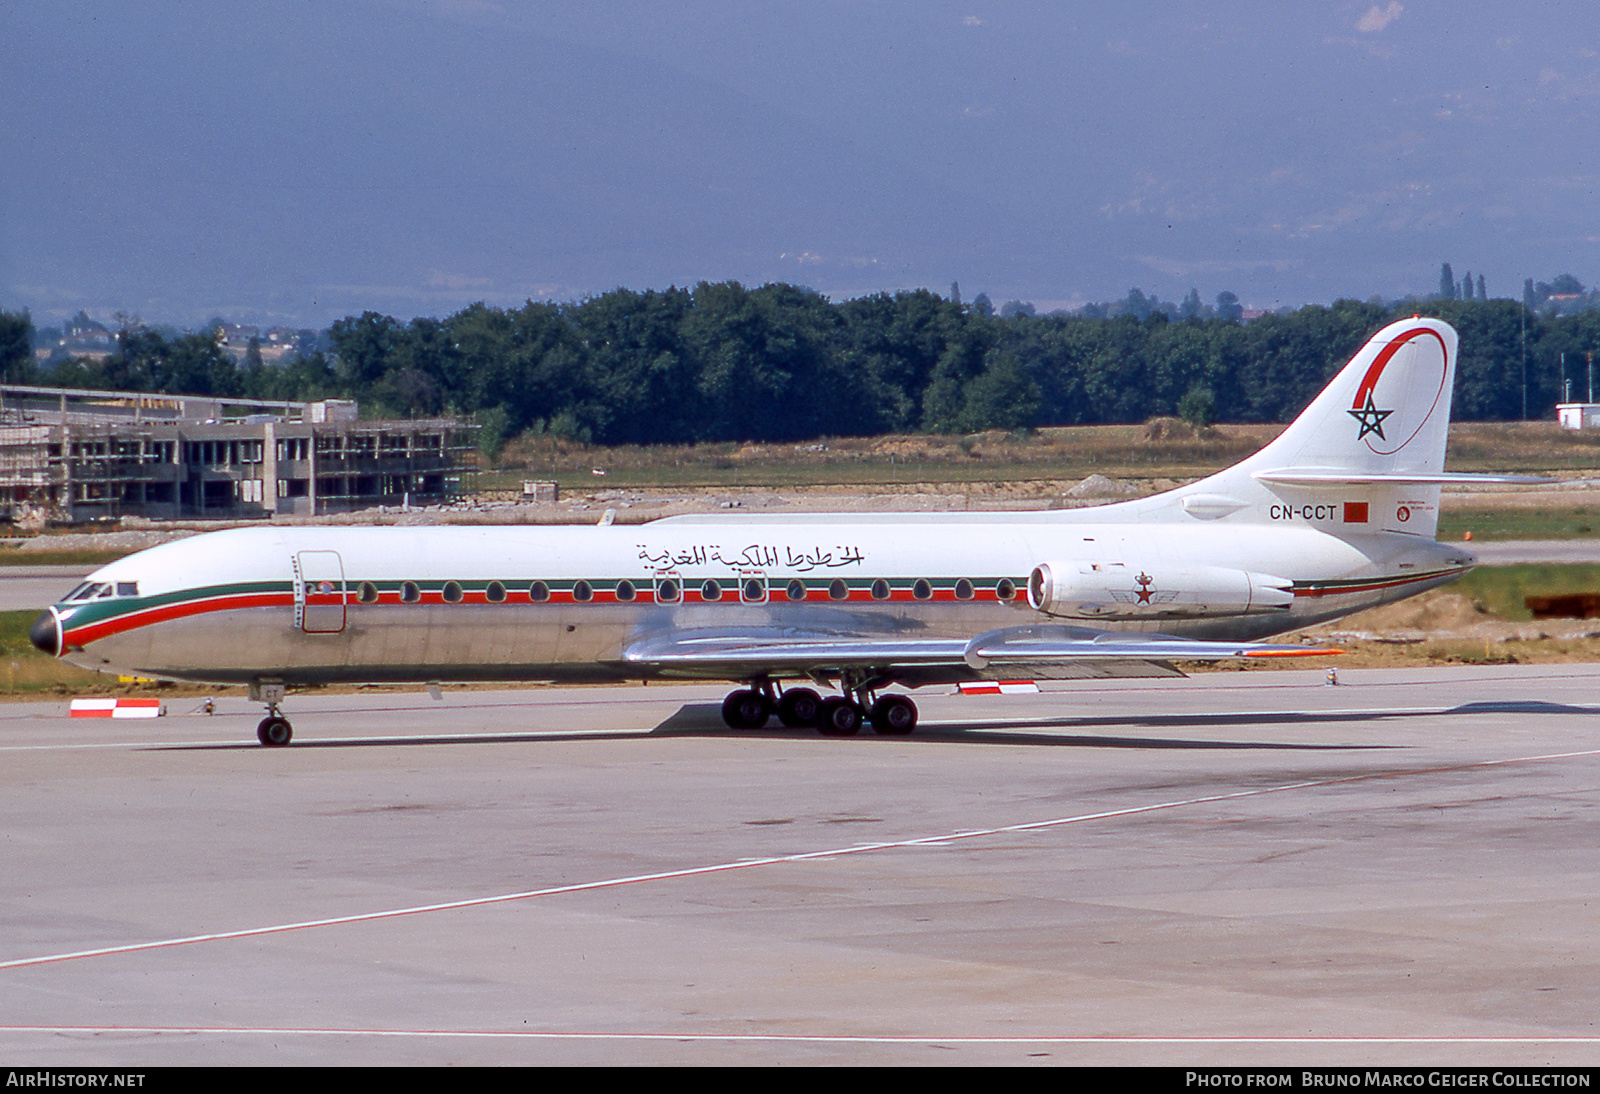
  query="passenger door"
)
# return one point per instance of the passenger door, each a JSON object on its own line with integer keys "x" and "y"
{"x": 319, "y": 592}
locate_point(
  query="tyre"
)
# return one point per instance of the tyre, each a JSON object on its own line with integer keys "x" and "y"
{"x": 745, "y": 709}
{"x": 840, "y": 718}
{"x": 894, "y": 715}
{"x": 799, "y": 708}
{"x": 274, "y": 732}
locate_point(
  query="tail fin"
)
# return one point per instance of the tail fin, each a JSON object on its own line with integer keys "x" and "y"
{"x": 1386, "y": 413}
{"x": 1367, "y": 455}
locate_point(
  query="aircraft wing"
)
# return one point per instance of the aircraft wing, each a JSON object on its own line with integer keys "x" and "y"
{"x": 1048, "y": 651}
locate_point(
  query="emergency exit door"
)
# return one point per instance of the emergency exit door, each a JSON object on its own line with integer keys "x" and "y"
{"x": 319, "y": 592}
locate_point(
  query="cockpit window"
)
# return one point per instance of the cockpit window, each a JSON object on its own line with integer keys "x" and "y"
{"x": 95, "y": 590}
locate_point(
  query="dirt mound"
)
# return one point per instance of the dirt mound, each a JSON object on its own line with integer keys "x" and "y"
{"x": 1173, "y": 429}
{"x": 1099, "y": 486}
{"x": 906, "y": 450}
{"x": 1433, "y": 611}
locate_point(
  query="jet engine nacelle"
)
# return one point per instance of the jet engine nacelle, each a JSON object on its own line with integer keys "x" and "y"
{"x": 1118, "y": 590}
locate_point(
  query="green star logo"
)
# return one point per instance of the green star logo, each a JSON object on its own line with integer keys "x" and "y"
{"x": 1371, "y": 419}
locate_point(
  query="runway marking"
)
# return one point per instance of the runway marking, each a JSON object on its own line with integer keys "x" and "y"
{"x": 772, "y": 860}
{"x": 797, "y": 1038}
{"x": 242, "y": 743}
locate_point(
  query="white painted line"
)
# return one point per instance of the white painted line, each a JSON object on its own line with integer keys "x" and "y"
{"x": 244, "y": 742}
{"x": 774, "y": 860}
{"x": 801, "y": 1038}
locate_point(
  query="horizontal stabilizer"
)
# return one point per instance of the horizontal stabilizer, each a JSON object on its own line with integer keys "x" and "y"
{"x": 1315, "y": 476}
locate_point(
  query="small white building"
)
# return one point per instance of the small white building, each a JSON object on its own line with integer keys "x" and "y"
{"x": 1578, "y": 415}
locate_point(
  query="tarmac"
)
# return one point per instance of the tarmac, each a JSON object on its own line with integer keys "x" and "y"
{"x": 29, "y": 588}
{"x": 1239, "y": 868}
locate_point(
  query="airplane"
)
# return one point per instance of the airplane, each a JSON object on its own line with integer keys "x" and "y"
{"x": 1336, "y": 515}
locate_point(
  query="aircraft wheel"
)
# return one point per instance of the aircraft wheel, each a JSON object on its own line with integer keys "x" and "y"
{"x": 894, "y": 715}
{"x": 799, "y": 708}
{"x": 274, "y": 731}
{"x": 745, "y": 709}
{"x": 840, "y": 718}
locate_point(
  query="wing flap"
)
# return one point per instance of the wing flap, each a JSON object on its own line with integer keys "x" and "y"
{"x": 1047, "y": 649}
{"x": 1051, "y": 642}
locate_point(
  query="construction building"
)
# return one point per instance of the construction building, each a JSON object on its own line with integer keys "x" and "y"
{"x": 70, "y": 455}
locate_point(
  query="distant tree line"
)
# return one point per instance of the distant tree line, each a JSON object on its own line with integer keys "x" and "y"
{"x": 723, "y": 362}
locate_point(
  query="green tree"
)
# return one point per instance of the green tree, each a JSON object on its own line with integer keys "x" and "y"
{"x": 16, "y": 346}
{"x": 1198, "y": 407}
{"x": 363, "y": 345}
{"x": 1003, "y": 397}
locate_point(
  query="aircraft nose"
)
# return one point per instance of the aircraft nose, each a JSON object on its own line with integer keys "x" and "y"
{"x": 46, "y": 634}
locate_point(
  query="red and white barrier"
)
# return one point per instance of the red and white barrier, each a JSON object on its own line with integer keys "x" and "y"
{"x": 117, "y": 708}
{"x": 998, "y": 687}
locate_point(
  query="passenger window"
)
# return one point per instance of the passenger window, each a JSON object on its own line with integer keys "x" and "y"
{"x": 368, "y": 593}
{"x": 410, "y": 593}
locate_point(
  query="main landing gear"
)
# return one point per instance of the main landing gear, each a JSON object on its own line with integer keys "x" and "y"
{"x": 839, "y": 716}
{"x": 274, "y": 730}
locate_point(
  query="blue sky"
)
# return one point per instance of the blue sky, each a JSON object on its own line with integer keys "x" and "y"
{"x": 294, "y": 161}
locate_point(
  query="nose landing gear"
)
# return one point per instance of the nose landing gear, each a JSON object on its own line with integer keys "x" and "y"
{"x": 274, "y": 730}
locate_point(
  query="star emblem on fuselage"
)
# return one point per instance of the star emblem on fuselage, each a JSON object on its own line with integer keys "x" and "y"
{"x": 1371, "y": 419}
{"x": 1143, "y": 591}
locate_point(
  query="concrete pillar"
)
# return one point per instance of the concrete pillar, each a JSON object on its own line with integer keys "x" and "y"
{"x": 269, "y": 467}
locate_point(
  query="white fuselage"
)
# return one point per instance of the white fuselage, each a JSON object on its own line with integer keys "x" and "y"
{"x": 317, "y": 605}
